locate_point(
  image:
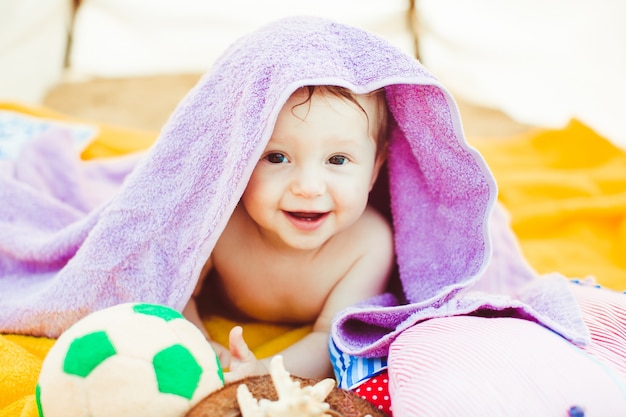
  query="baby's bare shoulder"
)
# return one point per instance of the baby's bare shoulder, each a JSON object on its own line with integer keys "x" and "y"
{"x": 373, "y": 227}
{"x": 369, "y": 240}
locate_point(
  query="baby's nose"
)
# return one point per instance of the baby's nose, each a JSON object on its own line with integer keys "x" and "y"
{"x": 308, "y": 182}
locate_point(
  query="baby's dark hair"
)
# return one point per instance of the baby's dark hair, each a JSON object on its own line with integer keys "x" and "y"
{"x": 382, "y": 133}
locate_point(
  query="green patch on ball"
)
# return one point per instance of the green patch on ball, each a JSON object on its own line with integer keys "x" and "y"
{"x": 156, "y": 310}
{"x": 177, "y": 371}
{"x": 87, "y": 352}
{"x": 38, "y": 400}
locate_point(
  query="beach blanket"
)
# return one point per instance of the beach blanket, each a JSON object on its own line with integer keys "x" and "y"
{"x": 565, "y": 190}
{"x": 146, "y": 232}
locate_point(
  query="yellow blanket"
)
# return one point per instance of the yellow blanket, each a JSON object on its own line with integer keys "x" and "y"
{"x": 566, "y": 193}
{"x": 565, "y": 189}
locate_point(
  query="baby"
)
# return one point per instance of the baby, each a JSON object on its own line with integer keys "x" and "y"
{"x": 303, "y": 244}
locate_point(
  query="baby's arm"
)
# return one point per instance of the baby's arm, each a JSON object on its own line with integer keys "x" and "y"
{"x": 190, "y": 312}
{"x": 368, "y": 277}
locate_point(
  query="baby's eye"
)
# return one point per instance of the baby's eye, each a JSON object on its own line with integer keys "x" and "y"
{"x": 338, "y": 160}
{"x": 276, "y": 158}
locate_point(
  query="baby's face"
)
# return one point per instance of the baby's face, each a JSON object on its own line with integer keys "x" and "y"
{"x": 315, "y": 174}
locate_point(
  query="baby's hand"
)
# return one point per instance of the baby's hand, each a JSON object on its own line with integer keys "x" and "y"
{"x": 223, "y": 354}
{"x": 243, "y": 363}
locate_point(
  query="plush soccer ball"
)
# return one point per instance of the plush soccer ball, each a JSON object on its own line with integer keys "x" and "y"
{"x": 128, "y": 360}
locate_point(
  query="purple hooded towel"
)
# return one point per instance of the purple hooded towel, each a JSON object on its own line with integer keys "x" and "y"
{"x": 61, "y": 258}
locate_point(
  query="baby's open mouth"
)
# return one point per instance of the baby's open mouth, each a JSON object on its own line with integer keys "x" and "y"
{"x": 306, "y": 216}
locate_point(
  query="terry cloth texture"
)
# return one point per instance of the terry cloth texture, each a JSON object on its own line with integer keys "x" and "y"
{"x": 67, "y": 252}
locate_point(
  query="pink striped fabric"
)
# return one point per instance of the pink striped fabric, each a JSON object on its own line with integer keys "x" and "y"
{"x": 474, "y": 366}
{"x": 604, "y": 313}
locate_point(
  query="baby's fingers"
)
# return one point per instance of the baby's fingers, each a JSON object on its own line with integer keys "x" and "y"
{"x": 239, "y": 350}
{"x": 243, "y": 362}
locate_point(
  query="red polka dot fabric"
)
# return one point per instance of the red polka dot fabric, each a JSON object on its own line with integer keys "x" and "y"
{"x": 376, "y": 391}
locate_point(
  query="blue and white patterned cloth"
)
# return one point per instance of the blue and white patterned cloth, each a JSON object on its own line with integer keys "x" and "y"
{"x": 351, "y": 371}
{"x": 17, "y": 129}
